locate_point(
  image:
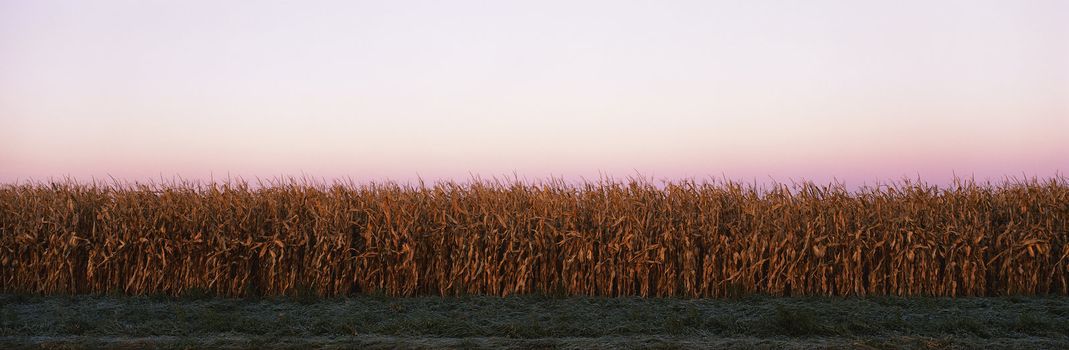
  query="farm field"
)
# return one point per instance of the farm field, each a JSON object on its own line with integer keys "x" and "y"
{"x": 527, "y": 322}
{"x": 494, "y": 264}
{"x": 635, "y": 238}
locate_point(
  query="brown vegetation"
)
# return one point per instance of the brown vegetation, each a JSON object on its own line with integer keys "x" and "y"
{"x": 499, "y": 238}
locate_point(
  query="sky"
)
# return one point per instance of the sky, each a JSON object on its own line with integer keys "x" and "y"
{"x": 855, "y": 91}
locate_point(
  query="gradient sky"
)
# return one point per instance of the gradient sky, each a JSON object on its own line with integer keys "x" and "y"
{"x": 855, "y": 90}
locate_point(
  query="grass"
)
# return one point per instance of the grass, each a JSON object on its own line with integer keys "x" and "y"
{"x": 534, "y": 322}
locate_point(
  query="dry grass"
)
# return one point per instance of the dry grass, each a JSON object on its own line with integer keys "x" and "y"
{"x": 499, "y": 238}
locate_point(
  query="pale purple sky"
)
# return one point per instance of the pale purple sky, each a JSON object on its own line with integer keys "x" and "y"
{"x": 857, "y": 90}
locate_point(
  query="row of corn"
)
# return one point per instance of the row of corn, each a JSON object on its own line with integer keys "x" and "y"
{"x": 606, "y": 238}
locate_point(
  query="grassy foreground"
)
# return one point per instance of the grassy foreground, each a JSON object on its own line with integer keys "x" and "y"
{"x": 532, "y": 322}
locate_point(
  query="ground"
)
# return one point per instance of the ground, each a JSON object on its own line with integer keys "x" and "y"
{"x": 532, "y": 322}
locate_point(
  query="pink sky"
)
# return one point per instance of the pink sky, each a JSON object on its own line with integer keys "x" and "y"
{"x": 851, "y": 90}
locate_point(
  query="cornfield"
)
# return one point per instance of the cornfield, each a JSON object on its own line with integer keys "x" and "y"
{"x": 496, "y": 237}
